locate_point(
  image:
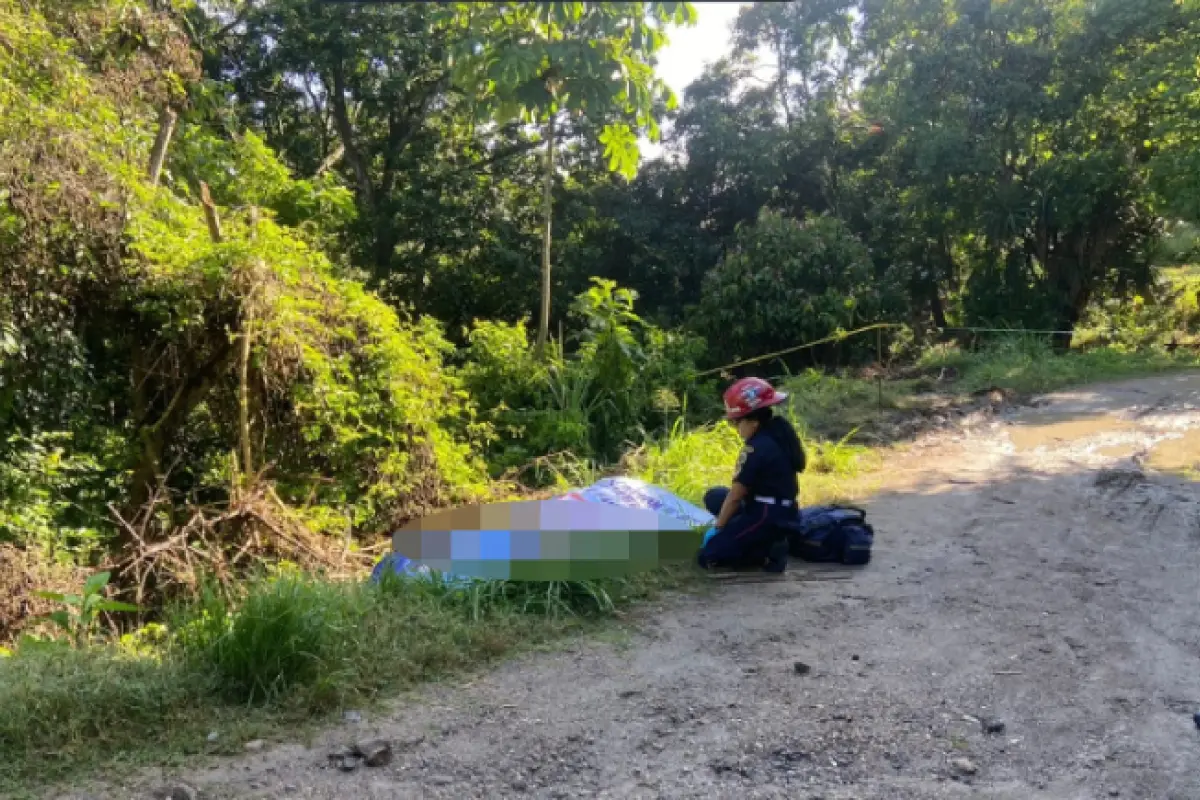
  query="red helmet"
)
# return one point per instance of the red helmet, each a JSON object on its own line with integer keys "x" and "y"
{"x": 748, "y": 395}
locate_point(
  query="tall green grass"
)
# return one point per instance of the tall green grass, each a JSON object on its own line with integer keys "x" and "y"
{"x": 690, "y": 461}
{"x": 56, "y": 707}
{"x": 291, "y": 649}
{"x": 1027, "y": 364}
{"x": 831, "y": 405}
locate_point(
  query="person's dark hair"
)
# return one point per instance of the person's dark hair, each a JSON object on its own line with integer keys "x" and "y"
{"x": 779, "y": 429}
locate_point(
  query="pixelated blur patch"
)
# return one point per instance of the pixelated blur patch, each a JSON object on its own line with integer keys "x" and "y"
{"x": 545, "y": 540}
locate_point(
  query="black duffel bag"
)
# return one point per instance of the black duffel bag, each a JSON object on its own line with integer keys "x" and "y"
{"x": 832, "y": 534}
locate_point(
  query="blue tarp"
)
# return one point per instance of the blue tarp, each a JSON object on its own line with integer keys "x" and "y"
{"x": 407, "y": 568}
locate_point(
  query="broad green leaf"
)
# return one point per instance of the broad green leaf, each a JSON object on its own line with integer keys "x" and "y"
{"x": 621, "y": 149}
{"x": 114, "y": 605}
{"x": 96, "y": 583}
{"x": 60, "y": 618}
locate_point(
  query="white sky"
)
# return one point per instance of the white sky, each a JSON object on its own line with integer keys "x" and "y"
{"x": 689, "y": 50}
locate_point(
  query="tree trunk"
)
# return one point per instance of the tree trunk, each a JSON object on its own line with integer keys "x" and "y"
{"x": 781, "y": 78}
{"x": 341, "y": 120}
{"x": 158, "y": 155}
{"x": 1064, "y": 330}
{"x": 384, "y": 250}
{"x": 936, "y": 308}
{"x": 1076, "y": 292}
{"x": 211, "y": 218}
{"x": 154, "y": 436}
{"x": 244, "y": 399}
{"x": 245, "y": 341}
{"x": 148, "y": 472}
{"x": 547, "y": 223}
{"x": 330, "y": 160}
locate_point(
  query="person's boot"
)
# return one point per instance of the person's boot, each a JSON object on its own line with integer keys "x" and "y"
{"x": 777, "y": 558}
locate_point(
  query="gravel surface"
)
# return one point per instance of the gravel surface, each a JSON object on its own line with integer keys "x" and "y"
{"x": 1029, "y": 628}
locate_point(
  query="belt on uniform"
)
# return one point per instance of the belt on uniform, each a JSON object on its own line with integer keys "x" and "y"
{"x": 774, "y": 501}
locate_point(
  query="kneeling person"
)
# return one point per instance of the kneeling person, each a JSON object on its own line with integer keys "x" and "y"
{"x": 755, "y": 514}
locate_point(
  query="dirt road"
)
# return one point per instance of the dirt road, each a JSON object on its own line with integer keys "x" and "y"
{"x": 1027, "y": 571}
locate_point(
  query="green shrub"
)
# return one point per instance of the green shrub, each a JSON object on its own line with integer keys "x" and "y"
{"x": 138, "y": 310}
{"x": 288, "y": 632}
{"x": 51, "y": 491}
{"x": 535, "y": 407}
{"x": 646, "y": 374}
{"x": 1007, "y": 292}
{"x": 1168, "y": 312}
{"x": 1179, "y": 245}
{"x": 787, "y": 282}
{"x": 500, "y": 369}
{"x": 624, "y": 377}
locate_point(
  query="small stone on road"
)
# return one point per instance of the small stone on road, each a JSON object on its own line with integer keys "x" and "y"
{"x": 964, "y": 766}
{"x": 376, "y": 753}
{"x": 992, "y": 726}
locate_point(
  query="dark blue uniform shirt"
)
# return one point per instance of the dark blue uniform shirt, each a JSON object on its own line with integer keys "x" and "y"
{"x": 765, "y": 470}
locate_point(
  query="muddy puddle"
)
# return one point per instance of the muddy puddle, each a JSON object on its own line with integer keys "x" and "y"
{"x": 1048, "y": 430}
{"x": 1179, "y": 454}
{"x": 1117, "y": 451}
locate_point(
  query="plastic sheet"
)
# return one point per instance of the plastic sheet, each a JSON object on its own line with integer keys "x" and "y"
{"x": 633, "y": 493}
{"x": 623, "y": 492}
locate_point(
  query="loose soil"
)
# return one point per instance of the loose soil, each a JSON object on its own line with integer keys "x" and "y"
{"x": 1032, "y": 569}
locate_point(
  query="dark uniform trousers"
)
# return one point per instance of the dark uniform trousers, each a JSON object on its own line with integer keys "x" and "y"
{"x": 757, "y": 531}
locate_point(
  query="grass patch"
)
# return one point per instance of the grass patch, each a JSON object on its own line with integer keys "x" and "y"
{"x": 833, "y": 406}
{"x": 1027, "y": 365}
{"x": 688, "y": 462}
{"x": 291, "y": 650}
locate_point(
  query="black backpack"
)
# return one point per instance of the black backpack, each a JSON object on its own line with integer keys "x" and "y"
{"x": 832, "y": 534}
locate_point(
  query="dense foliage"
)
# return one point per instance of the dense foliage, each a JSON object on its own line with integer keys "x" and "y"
{"x": 803, "y": 281}
{"x": 171, "y": 346}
